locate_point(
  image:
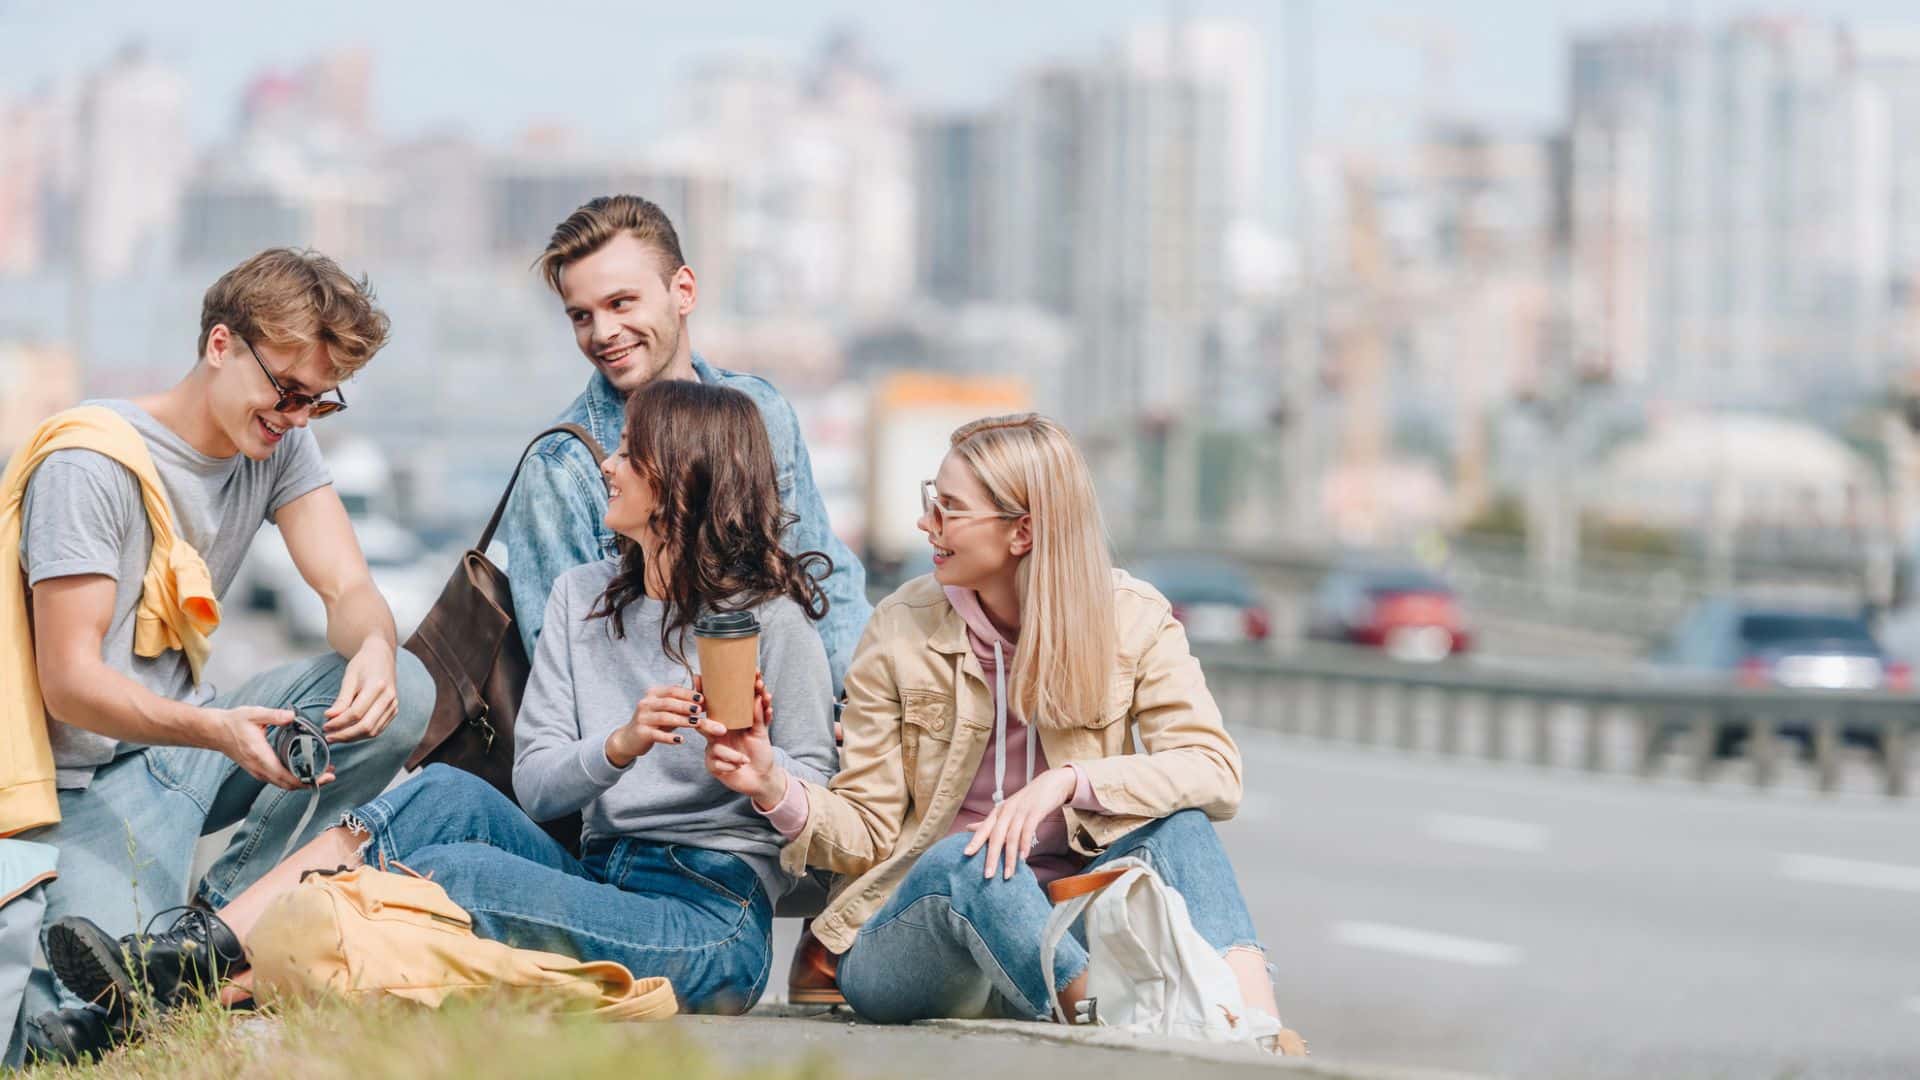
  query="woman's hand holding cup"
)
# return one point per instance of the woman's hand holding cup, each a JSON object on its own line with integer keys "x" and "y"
{"x": 743, "y": 760}
{"x": 658, "y": 718}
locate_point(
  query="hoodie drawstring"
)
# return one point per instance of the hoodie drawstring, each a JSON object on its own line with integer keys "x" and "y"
{"x": 1000, "y": 729}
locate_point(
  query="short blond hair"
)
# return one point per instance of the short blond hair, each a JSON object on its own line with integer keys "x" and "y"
{"x": 594, "y": 225}
{"x": 299, "y": 299}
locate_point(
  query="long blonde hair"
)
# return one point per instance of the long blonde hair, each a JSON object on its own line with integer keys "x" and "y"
{"x": 1030, "y": 466}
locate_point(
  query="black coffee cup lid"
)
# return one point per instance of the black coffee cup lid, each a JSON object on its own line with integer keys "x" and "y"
{"x": 727, "y": 624}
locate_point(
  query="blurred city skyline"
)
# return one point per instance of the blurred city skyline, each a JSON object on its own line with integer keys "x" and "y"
{"x": 1533, "y": 239}
{"x": 1380, "y": 68}
{"x": 1551, "y": 399}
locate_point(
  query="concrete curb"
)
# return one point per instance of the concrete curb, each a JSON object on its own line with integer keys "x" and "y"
{"x": 1154, "y": 1056}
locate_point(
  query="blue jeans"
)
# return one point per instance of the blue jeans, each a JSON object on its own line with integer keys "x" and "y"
{"x": 127, "y": 839}
{"x": 952, "y": 942}
{"x": 700, "y": 917}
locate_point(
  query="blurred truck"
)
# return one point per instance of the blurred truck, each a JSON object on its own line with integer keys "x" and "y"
{"x": 912, "y": 416}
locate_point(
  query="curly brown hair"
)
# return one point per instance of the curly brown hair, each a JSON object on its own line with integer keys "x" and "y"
{"x": 704, "y": 450}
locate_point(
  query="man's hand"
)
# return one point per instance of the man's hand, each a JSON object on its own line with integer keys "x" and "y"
{"x": 1012, "y": 826}
{"x": 743, "y": 760}
{"x": 658, "y": 718}
{"x": 241, "y": 735}
{"x": 369, "y": 694}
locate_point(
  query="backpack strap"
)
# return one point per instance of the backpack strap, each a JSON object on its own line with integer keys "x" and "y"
{"x": 1068, "y": 908}
{"x": 575, "y": 430}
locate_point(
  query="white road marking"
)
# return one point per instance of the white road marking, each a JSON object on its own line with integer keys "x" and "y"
{"x": 1487, "y": 832}
{"x": 1828, "y": 870}
{"x": 1425, "y": 944}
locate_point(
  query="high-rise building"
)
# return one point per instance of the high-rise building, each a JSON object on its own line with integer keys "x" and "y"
{"x": 957, "y": 232}
{"x": 1889, "y": 61}
{"x": 23, "y": 169}
{"x": 819, "y": 160}
{"x": 1103, "y": 193}
{"x": 1729, "y": 201}
{"x": 1229, "y": 58}
{"x": 226, "y": 218}
{"x": 440, "y": 209}
{"x": 303, "y": 167}
{"x": 326, "y": 103}
{"x": 1041, "y": 166}
{"x": 133, "y": 156}
{"x": 1150, "y": 266}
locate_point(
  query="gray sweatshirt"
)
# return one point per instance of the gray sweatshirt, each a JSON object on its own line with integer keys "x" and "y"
{"x": 585, "y": 683}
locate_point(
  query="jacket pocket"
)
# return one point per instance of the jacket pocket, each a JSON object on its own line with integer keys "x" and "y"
{"x": 1119, "y": 700}
{"x": 926, "y": 735}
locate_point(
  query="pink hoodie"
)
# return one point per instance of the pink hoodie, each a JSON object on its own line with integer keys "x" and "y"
{"x": 1013, "y": 757}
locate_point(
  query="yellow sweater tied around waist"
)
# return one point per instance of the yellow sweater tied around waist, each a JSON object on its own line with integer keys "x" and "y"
{"x": 178, "y": 608}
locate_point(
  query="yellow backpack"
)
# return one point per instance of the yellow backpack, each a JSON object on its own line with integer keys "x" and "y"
{"x": 365, "y": 931}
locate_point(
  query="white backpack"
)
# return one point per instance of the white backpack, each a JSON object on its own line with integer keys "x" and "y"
{"x": 1150, "y": 971}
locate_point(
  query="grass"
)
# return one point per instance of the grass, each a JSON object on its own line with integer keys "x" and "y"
{"x": 390, "y": 1040}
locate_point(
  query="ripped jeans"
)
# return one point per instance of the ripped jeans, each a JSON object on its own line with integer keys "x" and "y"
{"x": 952, "y": 942}
{"x": 700, "y": 917}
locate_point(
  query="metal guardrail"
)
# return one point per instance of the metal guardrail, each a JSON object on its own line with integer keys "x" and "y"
{"x": 1633, "y": 596}
{"x": 1553, "y": 721}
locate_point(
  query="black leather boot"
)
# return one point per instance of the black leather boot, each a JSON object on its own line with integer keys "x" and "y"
{"x": 65, "y": 1036}
{"x": 195, "y": 955}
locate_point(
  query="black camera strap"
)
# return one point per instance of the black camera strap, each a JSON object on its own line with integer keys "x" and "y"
{"x": 306, "y": 818}
{"x": 304, "y": 735}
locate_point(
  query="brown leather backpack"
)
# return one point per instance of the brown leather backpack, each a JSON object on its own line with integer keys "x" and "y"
{"x": 471, "y": 646}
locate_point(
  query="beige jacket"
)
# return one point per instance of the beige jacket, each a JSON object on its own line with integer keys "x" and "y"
{"x": 919, "y": 714}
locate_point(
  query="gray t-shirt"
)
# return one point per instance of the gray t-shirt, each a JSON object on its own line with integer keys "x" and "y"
{"x": 83, "y": 514}
{"x": 585, "y": 683}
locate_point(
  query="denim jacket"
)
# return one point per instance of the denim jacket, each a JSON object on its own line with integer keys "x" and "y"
{"x": 556, "y": 518}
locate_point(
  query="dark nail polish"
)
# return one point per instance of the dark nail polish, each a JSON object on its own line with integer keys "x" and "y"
{"x": 698, "y": 697}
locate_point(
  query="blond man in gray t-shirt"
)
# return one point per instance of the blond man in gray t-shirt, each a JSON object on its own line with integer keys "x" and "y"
{"x": 147, "y": 761}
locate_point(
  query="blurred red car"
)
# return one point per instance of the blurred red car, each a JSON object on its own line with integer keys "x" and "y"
{"x": 1214, "y": 599}
{"x": 1409, "y": 613}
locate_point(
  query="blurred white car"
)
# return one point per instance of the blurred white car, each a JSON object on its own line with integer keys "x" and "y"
{"x": 409, "y": 576}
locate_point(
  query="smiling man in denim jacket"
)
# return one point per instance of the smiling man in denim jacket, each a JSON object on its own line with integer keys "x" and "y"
{"x": 617, "y": 266}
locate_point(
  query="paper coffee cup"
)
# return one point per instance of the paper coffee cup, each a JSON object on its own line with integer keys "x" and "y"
{"x": 729, "y": 645}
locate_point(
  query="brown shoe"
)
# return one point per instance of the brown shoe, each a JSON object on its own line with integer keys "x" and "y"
{"x": 813, "y": 978}
{"x": 1287, "y": 1043}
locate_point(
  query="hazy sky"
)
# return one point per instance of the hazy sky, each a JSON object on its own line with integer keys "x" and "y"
{"x": 608, "y": 68}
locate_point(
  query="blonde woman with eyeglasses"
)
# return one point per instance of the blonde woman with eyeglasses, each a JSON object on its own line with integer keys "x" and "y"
{"x": 991, "y": 710}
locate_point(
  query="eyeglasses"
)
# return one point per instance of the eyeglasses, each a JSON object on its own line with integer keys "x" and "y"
{"x": 930, "y": 504}
{"x": 290, "y": 399}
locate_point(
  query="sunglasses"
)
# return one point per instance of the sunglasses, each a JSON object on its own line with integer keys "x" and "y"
{"x": 930, "y": 504}
{"x": 291, "y": 400}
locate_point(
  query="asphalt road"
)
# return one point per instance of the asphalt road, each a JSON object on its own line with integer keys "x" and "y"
{"x": 1461, "y": 915}
{"x": 1495, "y": 919}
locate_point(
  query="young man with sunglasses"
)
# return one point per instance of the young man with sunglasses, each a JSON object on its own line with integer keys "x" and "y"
{"x": 147, "y": 760}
